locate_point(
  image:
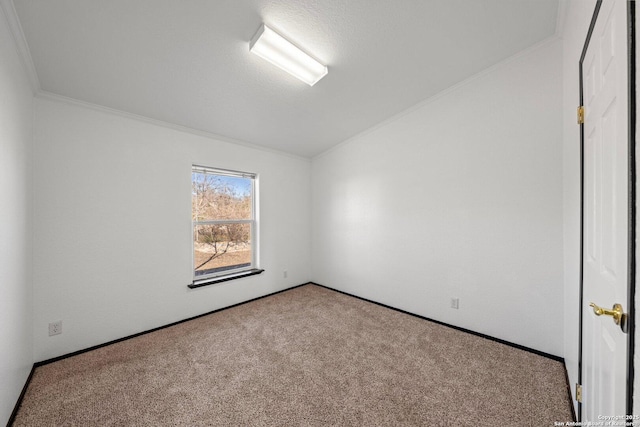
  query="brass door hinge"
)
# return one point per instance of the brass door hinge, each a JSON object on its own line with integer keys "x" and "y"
{"x": 579, "y": 393}
{"x": 580, "y": 115}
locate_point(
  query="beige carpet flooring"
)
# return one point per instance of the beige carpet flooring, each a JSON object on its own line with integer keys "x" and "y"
{"x": 305, "y": 357}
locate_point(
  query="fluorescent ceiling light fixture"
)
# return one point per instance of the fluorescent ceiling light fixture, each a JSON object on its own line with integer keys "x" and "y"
{"x": 269, "y": 45}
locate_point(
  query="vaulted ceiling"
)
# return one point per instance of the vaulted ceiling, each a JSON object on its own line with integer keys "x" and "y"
{"x": 188, "y": 63}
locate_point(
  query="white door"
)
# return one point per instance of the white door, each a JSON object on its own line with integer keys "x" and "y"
{"x": 605, "y": 251}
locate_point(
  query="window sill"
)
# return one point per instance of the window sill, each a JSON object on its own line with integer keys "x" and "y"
{"x": 220, "y": 279}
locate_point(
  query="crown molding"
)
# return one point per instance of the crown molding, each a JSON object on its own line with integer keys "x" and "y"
{"x": 42, "y": 94}
{"x": 500, "y": 65}
{"x": 11, "y": 16}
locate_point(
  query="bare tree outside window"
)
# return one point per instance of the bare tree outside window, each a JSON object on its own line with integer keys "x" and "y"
{"x": 223, "y": 219}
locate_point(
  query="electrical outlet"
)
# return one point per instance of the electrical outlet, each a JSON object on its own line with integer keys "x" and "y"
{"x": 455, "y": 303}
{"x": 55, "y": 328}
{"x": 285, "y": 274}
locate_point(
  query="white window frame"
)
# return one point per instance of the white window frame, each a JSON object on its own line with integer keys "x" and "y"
{"x": 253, "y": 221}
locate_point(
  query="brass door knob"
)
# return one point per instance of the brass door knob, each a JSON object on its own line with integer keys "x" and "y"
{"x": 616, "y": 312}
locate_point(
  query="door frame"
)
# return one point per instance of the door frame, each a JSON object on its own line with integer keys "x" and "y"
{"x": 631, "y": 276}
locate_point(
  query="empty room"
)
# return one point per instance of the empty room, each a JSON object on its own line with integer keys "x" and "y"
{"x": 318, "y": 212}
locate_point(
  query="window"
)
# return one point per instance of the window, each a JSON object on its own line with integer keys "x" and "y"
{"x": 224, "y": 225}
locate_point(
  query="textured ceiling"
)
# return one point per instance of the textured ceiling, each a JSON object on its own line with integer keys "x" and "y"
{"x": 187, "y": 62}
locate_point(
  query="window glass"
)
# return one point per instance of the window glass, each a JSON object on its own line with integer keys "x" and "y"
{"x": 223, "y": 222}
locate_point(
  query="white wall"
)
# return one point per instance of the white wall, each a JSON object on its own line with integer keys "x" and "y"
{"x": 459, "y": 197}
{"x": 16, "y": 129}
{"x": 113, "y": 225}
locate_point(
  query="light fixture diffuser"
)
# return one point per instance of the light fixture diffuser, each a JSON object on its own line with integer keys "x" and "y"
{"x": 271, "y": 46}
